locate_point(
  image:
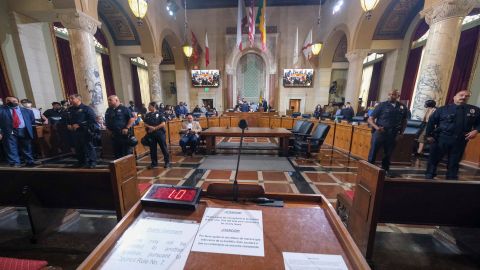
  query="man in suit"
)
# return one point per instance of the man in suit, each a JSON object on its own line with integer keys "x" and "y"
{"x": 16, "y": 132}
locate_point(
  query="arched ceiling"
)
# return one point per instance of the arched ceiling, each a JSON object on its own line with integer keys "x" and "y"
{"x": 118, "y": 22}
{"x": 201, "y": 4}
{"x": 396, "y": 19}
{"x": 341, "y": 50}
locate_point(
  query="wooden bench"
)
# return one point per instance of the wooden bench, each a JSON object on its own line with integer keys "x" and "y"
{"x": 405, "y": 201}
{"x": 48, "y": 192}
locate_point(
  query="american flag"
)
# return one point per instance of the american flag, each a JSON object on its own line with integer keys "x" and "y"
{"x": 251, "y": 24}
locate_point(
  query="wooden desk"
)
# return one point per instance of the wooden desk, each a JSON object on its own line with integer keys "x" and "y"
{"x": 307, "y": 224}
{"x": 281, "y": 133}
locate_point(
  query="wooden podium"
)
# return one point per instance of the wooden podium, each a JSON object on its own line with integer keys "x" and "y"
{"x": 306, "y": 224}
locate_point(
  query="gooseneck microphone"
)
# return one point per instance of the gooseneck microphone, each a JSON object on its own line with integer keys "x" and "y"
{"x": 242, "y": 124}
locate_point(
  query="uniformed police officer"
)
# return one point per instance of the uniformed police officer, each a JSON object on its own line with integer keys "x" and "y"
{"x": 79, "y": 120}
{"x": 155, "y": 124}
{"x": 119, "y": 119}
{"x": 449, "y": 129}
{"x": 388, "y": 119}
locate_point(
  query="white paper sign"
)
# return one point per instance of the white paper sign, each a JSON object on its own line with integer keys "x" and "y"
{"x": 153, "y": 244}
{"x": 308, "y": 261}
{"x": 231, "y": 231}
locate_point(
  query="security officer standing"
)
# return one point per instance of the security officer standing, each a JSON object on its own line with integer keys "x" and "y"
{"x": 80, "y": 121}
{"x": 155, "y": 125}
{"x": 119, "y": 119}
{"x": 449, "y": 129}
{"x": 389, "y": 120}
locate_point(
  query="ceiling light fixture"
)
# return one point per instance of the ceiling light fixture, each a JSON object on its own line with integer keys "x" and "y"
{"x": 368, "y": 6}
{"x": 139, "y": 9}
{"x": 172, "y": 8}
{"x": 317, "y": 46}
{"x": 187, "y": 48}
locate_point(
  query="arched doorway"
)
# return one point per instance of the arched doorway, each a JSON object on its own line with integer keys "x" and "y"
{"x": 251, "y": 78}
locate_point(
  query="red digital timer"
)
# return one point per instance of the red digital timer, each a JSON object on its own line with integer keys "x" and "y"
{"x": 172, "y": 196}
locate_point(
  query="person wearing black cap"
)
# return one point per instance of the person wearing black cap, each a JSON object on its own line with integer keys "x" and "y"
{"x": 155, "y": 124}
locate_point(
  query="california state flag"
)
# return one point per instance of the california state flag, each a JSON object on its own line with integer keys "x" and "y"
{"x": 207, "y": 51}
{"x": 307, "y": 46}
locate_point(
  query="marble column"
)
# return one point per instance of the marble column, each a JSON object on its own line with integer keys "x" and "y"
{"x": 154, "y": 78}
{"x": 183, "y": 87}
{"x": 354, "y": 77}
{"x": 81, "y": 29}
{"x": 273, "y": 89}
{"x": 445, "y": 19}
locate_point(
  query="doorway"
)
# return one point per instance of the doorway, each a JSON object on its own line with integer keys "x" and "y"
{"x": 294, "y": 105}
{"x": 208, "y": 103}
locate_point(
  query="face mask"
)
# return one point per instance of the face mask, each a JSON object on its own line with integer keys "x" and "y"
{"x": 11, "y": 104}
{"x": 1, "y": 102}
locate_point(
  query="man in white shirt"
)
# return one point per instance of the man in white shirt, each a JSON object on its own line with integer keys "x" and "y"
{"x": 190, "y": 131}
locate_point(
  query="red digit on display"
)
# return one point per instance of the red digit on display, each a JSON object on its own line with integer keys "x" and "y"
{"x": 172, "y": 194}
{"x": 180, "y": 194}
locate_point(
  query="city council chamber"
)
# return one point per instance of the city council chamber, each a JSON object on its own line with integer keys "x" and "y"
{"x": 239, "y": 134}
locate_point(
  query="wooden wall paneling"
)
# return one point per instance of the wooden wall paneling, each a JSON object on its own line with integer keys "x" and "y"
{"x": 331, "y": 132}
{"x": 213, "y": 121}
{"x": 225, "y": 121}
{"x": 287, "y": 122}
{"x": 174, "y": 128}
{"x": 275, "y": 122}
{"x": 140, "y": 132}
{"x": 264, "y": 121}
{"x": 234, "y": 121}
{"x": 203, "y": 122}
{"x": 472, "y": 153}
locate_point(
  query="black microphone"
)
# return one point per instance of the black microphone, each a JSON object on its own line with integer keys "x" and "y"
{"x": 242, "y": 124}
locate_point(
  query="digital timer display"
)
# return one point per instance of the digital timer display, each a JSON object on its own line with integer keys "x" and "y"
{"x": 175, "y": 194}
{"x": 172, "y": 196}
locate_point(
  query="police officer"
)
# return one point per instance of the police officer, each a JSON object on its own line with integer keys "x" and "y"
{"x": 155, "y": 124}
{"x": 388, "y": 120}
{"x": 449, "y": 129}
{"x": 80, "y": 121}
{"x": 119, "y": 119}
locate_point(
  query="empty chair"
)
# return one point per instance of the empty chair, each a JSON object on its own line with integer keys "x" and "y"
{"x": 309, "y": 143}
{"x": 306, "y": 116}
{"x": 325, "y": 115}
{"x": 304, "y": 130}
{"x": 296, "y": 126}
{"x": 196, "y": 115}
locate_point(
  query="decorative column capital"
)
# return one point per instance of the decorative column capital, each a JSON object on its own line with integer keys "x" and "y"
{"x": 446, "y": 9}
{"x": 79, "y": 20}
{"x": 153, "y": 60}
{"x": 357, "y": 55}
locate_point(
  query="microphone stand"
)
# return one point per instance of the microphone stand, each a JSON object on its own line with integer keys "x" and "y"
{"x": 235, "y": 183}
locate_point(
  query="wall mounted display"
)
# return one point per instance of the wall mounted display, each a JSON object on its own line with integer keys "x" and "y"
{"x": 298, "y": 77}
{"x": 205, "y": 78}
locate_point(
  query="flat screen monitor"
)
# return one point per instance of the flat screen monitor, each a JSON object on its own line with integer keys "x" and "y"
{"x": 298, "y": 77}
{"x": 205, "y": 78}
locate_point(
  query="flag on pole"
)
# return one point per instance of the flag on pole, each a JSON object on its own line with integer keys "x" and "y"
{"x": 207, "y": 51}
{"x": 241, "y": 21}
{"x": 307, "y": 46}
{"x": 262, "y": 24}
{"x": 197, "y": 50}
{"x": 251, "y": 24}
{"x": 295, "y": 51}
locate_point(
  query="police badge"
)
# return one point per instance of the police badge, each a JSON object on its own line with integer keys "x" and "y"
{"x": 472, "y": 110}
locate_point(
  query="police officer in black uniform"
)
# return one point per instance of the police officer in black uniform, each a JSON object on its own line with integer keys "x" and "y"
{"x": 388, "y": 119}
{"x": 119, "y": 119}
{"x": 449, "y": 129}
{"x": 80, "y": 121}
{"x": 155, "y": 124}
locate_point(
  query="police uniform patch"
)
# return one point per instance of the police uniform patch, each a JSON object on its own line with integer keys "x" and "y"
{"x": 472, "y": 110}
{"x": 81, "y": 110}
{"x": 156, "y": 115}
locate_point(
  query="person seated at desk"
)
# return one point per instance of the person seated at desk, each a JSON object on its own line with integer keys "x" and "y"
{"x": 245, "y": 107}
{"x": 190, "y": 130}
{"x": 347, "y": 112}
{"x": 317, "y": 112}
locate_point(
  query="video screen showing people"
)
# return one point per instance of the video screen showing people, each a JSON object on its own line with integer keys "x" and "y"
{"x": 206, "y": 78}
{"x": 298, "y": 77}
